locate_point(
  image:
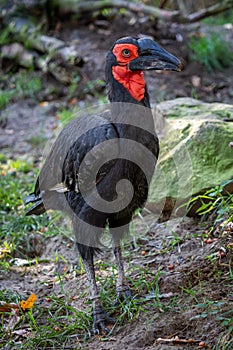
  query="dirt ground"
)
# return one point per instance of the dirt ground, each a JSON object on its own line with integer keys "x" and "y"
{"x": 194, "y": 290}
{"x": 194, "y": 280}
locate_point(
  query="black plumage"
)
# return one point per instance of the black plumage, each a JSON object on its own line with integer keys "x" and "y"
{"x": 100, "y": 166}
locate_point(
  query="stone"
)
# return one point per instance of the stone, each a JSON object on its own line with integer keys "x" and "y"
{"x": 195, "y": 153}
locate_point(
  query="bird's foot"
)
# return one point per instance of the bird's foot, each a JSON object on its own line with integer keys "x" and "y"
{"x": 123, "y": 294}
{"x": 100, "y": 320}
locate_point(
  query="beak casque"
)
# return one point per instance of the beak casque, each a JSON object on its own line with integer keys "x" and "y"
{"x": 154, "y": 57}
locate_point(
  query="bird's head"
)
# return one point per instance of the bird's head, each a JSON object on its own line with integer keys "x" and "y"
{"x": 127, "y": 60}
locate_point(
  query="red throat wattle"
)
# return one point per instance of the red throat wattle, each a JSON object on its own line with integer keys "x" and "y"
{"x": 132, "y": 81}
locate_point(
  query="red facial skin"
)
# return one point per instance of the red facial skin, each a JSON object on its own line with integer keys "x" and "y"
{"x": 132, "y": 81}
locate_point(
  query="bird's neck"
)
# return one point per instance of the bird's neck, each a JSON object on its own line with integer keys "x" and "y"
{"x": 126, "y": 86}
{"x": 126, "y": 109}
{"x": 133, "y": 82}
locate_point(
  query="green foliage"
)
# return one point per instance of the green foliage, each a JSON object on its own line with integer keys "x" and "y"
{"x": 221, "y": 19}
{"x": 38, "y": 140}
{"x": 27, "y": 86}
{"x": 215, "y": 200}
{"x": 5, "y": 97}
{"x": 212, "y": 51}
{"x": 63, "y": 323}
{"x": 15, "y": 183}
{"x": 23, "y": 85}
{"x": 94, "y": 86}
{"x": 66, "y": 116}
{"x": 4, "y": 36}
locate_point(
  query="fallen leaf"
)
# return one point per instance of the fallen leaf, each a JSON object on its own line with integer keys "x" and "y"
{"x": 3, "y": 252}
{"x": 44, "y": 103}
{"x": 72, "y": 101}
{"x": 28, "y": 304}
{"x": 21, "y": 332}
{"x": 7, "y": 307}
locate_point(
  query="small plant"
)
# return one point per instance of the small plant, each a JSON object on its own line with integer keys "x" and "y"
{"x": 24, "y": 85}
{"x": 5, "y": 36}
{"x": 27, "y": 86}
{"x": 66, "y": 115}
{"x": 5, "y": 97}
{"x": 215, "y": 200}
{"x": 212, "y": 51}
{"x": 221, "y": 19}
{"x": 94, "y": 87}
{"x": 14, "y": 184}
{"x": 38, "y": 140}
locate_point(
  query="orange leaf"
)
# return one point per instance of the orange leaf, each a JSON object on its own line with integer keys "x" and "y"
{"x": 44, "y": 103}
{"x": 72, "y": 101}
{"x": 28, "y": 304}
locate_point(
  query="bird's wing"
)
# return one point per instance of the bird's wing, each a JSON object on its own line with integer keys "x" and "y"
{"x": 81, "y": 156}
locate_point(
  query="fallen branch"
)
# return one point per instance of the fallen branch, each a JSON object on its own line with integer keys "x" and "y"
{"x": 55, "y": 48}
{"x": 210, "y": 11}
{"x": 16, "y": 52}
{"x": 177, "y": 340}
{"x": 43, "y": 52}
{"x": 28, "y": 59}
{"x": 81, "y": 7}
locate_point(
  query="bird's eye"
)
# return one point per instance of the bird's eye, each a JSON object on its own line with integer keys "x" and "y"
{"x": 126, "y": 53}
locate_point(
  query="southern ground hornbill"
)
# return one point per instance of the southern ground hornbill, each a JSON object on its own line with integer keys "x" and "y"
{"x": 100, "y": 166}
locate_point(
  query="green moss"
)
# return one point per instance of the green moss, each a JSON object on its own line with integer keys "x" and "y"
{"x": 194, "y": 153}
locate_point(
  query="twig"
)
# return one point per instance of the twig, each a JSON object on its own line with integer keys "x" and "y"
{"x": 210, "y": 11}
{"x": 81, "y": 7}
{"x": 177, "y": 340}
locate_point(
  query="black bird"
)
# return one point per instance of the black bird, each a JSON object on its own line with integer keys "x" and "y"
{"x": 100, "y": 166}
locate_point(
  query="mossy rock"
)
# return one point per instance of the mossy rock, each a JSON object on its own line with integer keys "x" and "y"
{"x": 194, "y": 148}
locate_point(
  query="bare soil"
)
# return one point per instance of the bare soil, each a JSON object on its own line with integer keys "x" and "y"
{"x": 194, "y": 290}
{"x": 194, "y": 281}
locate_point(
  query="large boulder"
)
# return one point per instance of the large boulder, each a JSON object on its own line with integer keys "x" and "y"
{"x": 195, "y": 148}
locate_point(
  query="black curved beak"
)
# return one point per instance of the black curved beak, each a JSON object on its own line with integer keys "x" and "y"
{"x": 154, "y": 57}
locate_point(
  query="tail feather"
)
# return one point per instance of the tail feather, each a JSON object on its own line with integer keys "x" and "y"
{"x": 38, "y": 207}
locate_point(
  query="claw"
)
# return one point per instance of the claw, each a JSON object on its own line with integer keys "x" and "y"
{"x": 100, "y": 318}
{"x": 123, "y": 294}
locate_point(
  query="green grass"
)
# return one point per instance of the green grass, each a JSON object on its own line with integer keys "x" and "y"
{"x": 17, "y": 179}
{"x": 221, "y": 19}
{"x": 66, "y": 116}
{"x": 23, "y": 85}
{"x": 27, "y": 85}
{"x": 215, "y": 201}
{"x": 211, "y": 51}
{"x": 38, "y": 140}
{"x": 54, "y": 322}
{"x": 5, "y": 97}
{"x": 64, "y": 324}
{"x": 4, "y": 36}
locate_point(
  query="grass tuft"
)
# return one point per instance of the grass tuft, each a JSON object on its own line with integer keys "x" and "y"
{"x": 212, "y": 51}
{"x": 215, "y": 201}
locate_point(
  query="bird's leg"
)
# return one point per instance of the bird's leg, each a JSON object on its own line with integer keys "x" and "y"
{"x": 122, "y": 289}
{"x": 100, "y": 316}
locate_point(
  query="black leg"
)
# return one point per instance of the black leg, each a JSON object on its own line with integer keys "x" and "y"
{"x": 100, "y": 316}
{"x": 122, "y": 289}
